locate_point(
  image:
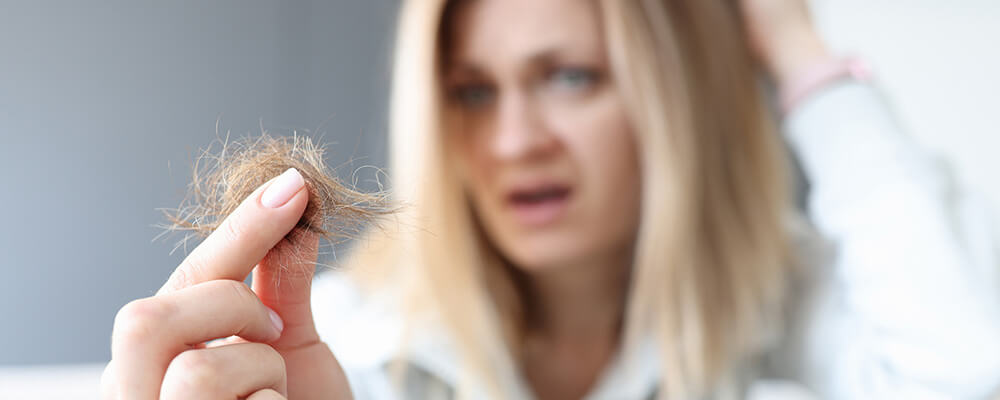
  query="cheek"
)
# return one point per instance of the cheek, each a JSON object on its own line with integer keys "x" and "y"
{"x": 605, "y": 150}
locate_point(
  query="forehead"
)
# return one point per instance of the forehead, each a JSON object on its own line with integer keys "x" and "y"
{"x": 504, "y": 31}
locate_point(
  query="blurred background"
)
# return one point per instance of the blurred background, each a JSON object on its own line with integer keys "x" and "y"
{"x": 104, "y": 105}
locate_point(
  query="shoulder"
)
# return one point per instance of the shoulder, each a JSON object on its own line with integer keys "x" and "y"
{"x": 812, "y": 313}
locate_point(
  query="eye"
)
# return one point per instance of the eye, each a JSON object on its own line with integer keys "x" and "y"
{"x": 473, "y": 95}
{"x": 573, "y": 78}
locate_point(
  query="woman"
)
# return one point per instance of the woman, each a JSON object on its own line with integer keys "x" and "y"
{"x": 596, "y": 207}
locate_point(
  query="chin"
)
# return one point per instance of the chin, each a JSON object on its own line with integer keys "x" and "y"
{"x": 529, "y": 253}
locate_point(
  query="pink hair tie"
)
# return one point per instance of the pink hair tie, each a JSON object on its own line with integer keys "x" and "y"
{"x": 820, "y": 76}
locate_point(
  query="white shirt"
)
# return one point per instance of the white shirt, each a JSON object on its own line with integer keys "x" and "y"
{"x": 901, "y": 300}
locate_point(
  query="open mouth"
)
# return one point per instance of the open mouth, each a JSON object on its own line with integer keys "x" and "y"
{"x": 540, "y": 195}
{"x": 540, "y": 204}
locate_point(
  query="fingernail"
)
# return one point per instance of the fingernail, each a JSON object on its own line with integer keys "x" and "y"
{"x": 282, "y": 189}
{"x": 276, "y": 320}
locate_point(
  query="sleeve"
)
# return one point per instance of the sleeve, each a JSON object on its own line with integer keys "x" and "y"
{"x": 913, "y": 265}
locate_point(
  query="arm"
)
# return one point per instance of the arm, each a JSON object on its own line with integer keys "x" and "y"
{"x": 911, "y": 309}
{"x": 913, "y": 264}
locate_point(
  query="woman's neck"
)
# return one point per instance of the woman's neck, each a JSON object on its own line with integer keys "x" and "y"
{"x": 585, "y": 299}
{"x": 573, "y": 324}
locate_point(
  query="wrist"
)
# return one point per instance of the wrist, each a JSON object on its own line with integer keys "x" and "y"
{"x": 797, "y": 53}
{"x": 819, "y": 75}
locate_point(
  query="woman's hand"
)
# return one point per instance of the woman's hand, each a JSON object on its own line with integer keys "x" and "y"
{"x": 159, "y": 348}
{"x": 782, "y": 35}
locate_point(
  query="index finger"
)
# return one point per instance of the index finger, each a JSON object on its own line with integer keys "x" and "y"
{"x": 246, "y": 235}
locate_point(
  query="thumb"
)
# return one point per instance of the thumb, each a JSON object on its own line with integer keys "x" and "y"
{"x": 283, "y": 282}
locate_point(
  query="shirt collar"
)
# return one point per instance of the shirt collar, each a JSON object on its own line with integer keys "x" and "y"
{"x": 369, "y": 333}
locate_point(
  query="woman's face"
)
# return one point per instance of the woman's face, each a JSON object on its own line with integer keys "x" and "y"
{"x": 546, "y": 151}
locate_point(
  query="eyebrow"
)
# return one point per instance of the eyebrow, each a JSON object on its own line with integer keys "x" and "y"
{"x": 546, "y": 56}
{"x": 464, "y": 69}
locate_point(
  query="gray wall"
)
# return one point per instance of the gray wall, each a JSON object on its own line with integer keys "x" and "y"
{"x": 104, "y": 103}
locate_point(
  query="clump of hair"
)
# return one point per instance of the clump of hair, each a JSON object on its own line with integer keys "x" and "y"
{"x": 222, "y": 180}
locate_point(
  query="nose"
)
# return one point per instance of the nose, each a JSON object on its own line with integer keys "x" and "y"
{"x": 520, "y": 132}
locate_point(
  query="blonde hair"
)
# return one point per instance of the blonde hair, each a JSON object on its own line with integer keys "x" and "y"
{"x": 710, "y": 259}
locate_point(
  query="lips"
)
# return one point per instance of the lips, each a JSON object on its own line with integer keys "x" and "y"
{"x": 539, "y": 204}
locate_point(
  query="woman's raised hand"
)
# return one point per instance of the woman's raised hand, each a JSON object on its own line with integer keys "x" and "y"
{"x": 782, "y": 35}
{"x": 166, "y": 347}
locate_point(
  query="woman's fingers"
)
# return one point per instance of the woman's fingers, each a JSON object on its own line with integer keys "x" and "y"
{"x": 148, "y": 333}
{"x": 233, "y": 371}
{"x": 283, "y": 281}
{"x": 204, "y": 298}
{"x": 246, "y": 235}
